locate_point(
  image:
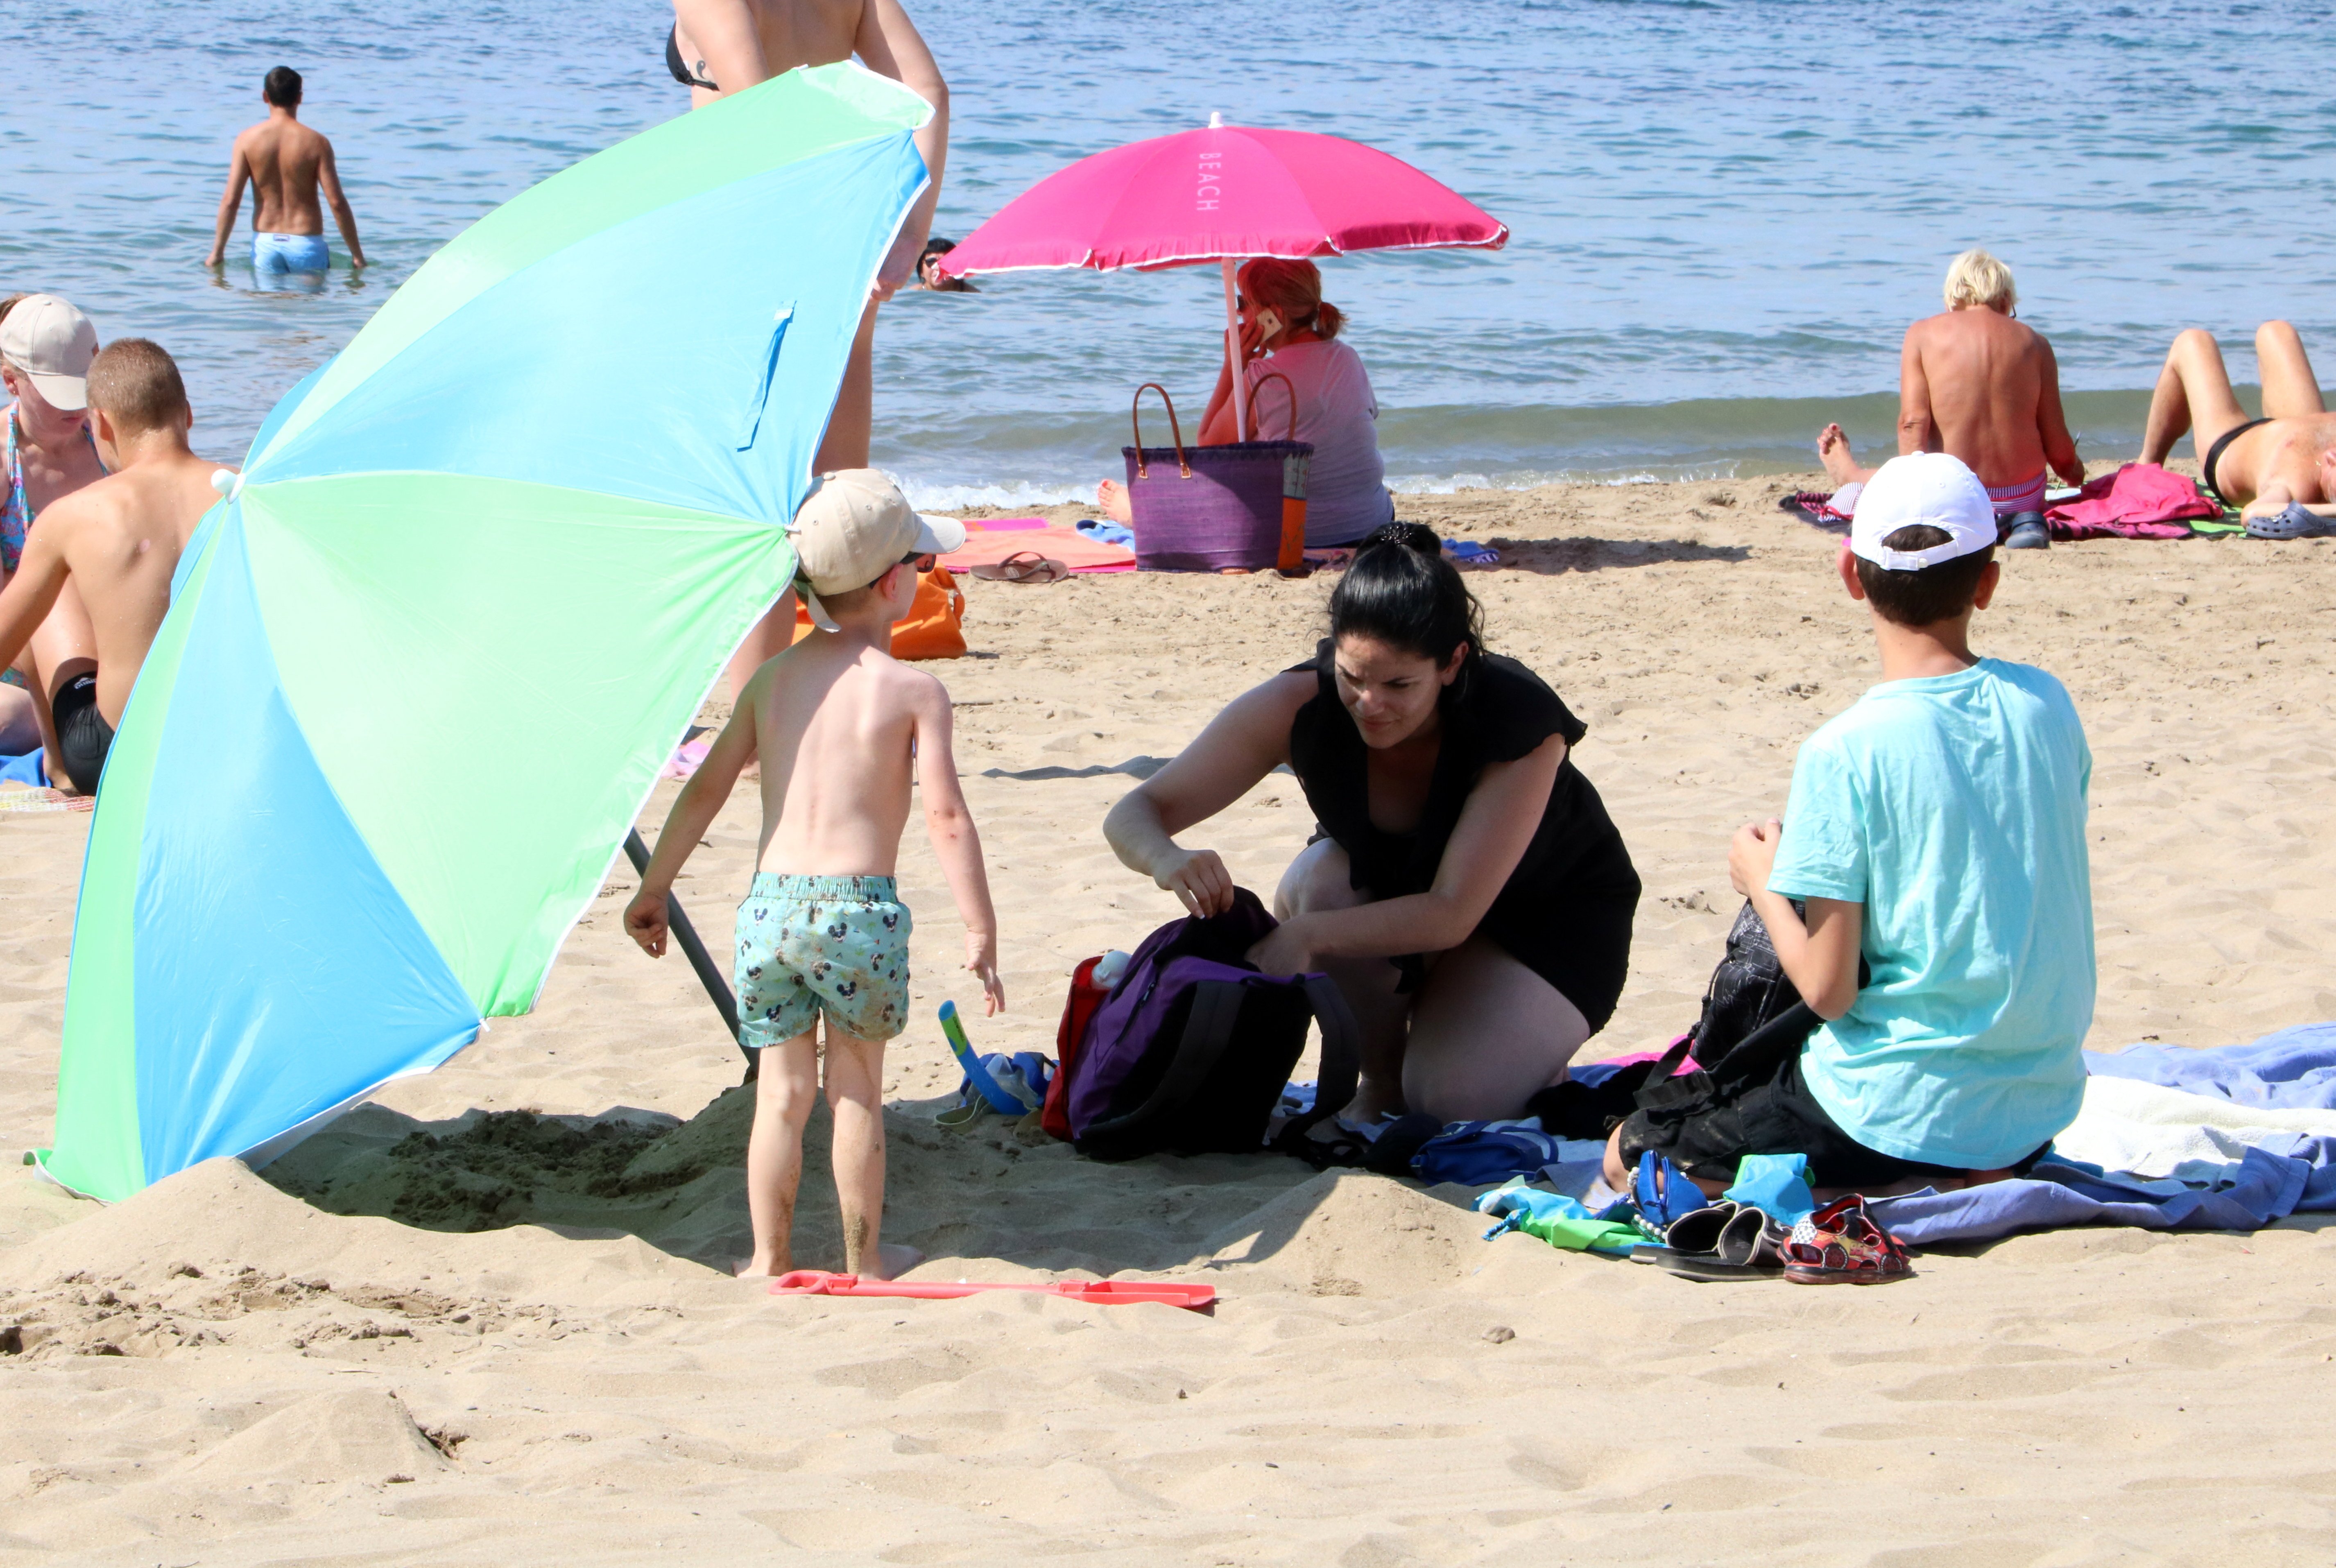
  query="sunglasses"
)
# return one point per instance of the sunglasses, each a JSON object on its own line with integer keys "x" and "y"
{"x": 923, "y": 563}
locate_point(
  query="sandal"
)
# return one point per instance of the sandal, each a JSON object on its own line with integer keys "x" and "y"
{"x": 1663, "y": 1195}
{"x": 1024, "y": 566}
{"x": 1725, "y": 1242}
{"x": 1840, "y": 1244}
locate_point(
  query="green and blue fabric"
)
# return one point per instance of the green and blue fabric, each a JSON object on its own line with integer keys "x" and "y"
{"x": 421, "y": 668}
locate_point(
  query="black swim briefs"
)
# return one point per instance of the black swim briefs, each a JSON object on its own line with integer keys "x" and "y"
{"x": 2214, "y": 455}
{"x": 83, "y": 737}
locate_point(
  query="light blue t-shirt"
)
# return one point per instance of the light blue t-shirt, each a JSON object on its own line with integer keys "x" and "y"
{"x": 1953, "y": 807}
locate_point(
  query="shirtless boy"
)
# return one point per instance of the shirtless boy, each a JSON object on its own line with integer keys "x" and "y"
{"x": 722, "y": 47}
{"x": 844, "y": 731}
{"x": 117, "y": 541}
{"x": 285, "y": 164}
{"x": 1977, "y": 384}
{"x": 2280, "y": 469}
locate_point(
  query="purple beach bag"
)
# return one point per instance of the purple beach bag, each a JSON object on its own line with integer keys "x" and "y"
{"x": 1240, "y": 507}
{"x": 1194, "y": 1047}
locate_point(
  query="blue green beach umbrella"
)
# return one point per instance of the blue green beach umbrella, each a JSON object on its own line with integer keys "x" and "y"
{"x": 422, "y": 666}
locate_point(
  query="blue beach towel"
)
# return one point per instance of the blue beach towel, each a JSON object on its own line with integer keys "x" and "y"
{"x": 31, "y": 769}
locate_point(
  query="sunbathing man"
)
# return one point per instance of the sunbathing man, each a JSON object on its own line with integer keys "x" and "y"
{"x": 117, "y": 541}
{"x": 1979, "y": 384}
{"x": 2280, "y": 469}
{"x": 285, "y": 164}
{"x": 721, "y": 46}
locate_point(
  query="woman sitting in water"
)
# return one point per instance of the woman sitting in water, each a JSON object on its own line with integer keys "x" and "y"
{"x": 1466, "y": 891}
{"x": 1288, "y": 329}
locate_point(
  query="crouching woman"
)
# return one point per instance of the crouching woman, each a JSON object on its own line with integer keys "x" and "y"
{"x": 1464, "y": 887}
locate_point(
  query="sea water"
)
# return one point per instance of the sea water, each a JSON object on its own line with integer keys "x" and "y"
{"x": 1724, "y": 212}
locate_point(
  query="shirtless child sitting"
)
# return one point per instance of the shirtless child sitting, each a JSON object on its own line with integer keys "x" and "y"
{"x": 118, "y": 543}
{"x": 2280, "y": 469}
{"x": 1979, "y": 386}
{"x": 842, "y": 730}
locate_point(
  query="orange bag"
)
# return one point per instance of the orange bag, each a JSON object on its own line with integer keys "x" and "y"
{"x": 934, "y": 627}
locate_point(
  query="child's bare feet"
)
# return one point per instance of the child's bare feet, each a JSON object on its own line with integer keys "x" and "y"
{"x": 758, "y": 1267}
{"x": 1111, "y": 500}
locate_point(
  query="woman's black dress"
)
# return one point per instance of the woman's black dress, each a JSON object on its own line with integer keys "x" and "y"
{"x": 1565, "y": 911}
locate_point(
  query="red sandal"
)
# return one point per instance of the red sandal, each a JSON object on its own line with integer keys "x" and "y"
{"x": 1840, "y": 1244}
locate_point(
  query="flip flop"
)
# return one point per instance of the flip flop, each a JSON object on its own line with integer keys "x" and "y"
{"x": 1663, "y": 1195}
{"x": 1725, "y": 1242}
{"x": 1024, "y": 566}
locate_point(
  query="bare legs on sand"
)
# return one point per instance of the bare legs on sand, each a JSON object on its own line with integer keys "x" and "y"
{"x": 2193, "y": 393}
{"x": 785, "y": 1092}
{"x": 1478, "y": 1037}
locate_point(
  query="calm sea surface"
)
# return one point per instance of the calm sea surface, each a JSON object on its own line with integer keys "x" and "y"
{"x": 1724, "y": 213}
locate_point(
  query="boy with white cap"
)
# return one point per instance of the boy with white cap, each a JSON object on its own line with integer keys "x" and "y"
{"x": 843, "y": 730}
{"x": 1936, "y": 830}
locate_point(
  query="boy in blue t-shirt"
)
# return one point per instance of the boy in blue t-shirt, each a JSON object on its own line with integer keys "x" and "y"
{"x": 1936, "y": 830}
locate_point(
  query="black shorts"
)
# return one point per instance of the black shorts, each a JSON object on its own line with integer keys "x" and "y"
{"x": 1706, "y": 1135}
{"x": 83, "y": 737}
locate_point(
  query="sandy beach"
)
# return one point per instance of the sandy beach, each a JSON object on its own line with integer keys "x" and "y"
{"x": 441, "y": 1332}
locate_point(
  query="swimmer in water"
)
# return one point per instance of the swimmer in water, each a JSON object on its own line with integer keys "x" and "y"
{"x": 287, "y": 165}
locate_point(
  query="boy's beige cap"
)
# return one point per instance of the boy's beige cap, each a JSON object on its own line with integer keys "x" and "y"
{"x": 855, "y": 525}
{"x": 52, "y": 343}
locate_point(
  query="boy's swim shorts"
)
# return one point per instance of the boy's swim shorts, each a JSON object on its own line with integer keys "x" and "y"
{"x": 809, "y": 945}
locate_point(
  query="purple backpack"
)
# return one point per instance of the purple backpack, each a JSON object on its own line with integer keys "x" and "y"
{"x": 1192, "y": 1049}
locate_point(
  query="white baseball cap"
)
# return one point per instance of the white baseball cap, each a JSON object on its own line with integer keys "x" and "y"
{"x": 854, "y": 527}
{"x": 52, "y": 343}
{"x": 1929, "y": 488}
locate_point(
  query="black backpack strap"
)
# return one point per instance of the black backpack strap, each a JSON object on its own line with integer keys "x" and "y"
{"x": 1342, "y": 1052}
{"x": 1207, "y": 1031}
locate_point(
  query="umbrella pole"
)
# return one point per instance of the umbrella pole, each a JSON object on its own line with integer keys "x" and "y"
{"x": 1233, "y": 356}
{"x": 693, "y": 949}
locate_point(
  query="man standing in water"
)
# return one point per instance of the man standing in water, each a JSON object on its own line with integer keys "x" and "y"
{"x": 285, "y": 164}
{"x": 1978, "y": 386}
{"x": 721, "y": 46}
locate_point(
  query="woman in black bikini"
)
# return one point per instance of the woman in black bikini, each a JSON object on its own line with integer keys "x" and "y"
{"x": 1465, "y": 888}
{"x": 2276, "y": 469}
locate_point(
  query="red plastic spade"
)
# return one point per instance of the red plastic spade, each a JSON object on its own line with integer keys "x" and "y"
{"x": 1106, "y": 1293}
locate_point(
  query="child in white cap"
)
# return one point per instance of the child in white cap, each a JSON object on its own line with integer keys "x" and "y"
{"x": 843, "y": 730}
{"x": 1936, "y": 831}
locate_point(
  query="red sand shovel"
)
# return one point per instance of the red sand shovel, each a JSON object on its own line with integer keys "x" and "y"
{"x": 1107, "y": 1292}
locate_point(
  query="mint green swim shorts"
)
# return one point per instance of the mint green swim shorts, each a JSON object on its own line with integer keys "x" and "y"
{"x": 809, "y": 945}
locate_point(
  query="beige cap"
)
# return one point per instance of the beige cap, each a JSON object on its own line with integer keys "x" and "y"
{"x": 854, "y": 526}
{"x": 52, "y": 343}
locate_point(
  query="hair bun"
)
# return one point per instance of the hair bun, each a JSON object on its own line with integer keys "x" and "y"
{"x": 1415, "y": 536}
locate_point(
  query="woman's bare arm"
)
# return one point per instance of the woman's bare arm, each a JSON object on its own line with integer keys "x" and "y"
{"x": 890, "y": 44}
{"x": 1497, "y": 824}
{"x": 1241, "y": 744}
{"x": 722, "y": 33}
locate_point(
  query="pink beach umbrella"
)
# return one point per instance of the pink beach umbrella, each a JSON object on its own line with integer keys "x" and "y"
{"x": 1223, "y": 194}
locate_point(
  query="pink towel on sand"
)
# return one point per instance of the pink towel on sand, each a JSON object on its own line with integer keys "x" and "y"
{"x": 987, "y": 543}
{"x": 2139, "y": 500}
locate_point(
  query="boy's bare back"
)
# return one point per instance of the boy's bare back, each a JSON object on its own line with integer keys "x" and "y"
{"x": 836, "y": 725}
{"x": 120, "y": 540}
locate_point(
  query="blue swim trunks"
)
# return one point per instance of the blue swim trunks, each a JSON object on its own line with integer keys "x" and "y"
{"x": 290, "y": 253}
{"x": 809, "y": 945}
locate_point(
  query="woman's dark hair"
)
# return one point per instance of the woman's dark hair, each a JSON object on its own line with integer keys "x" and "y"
{"x": 1401, "y": 591}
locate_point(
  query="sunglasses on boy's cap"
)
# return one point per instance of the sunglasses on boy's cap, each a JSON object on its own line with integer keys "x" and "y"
{"x": 1926, "y": 488}
{"x": 52, "y": 343}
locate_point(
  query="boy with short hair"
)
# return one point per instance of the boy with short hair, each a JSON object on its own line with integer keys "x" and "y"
{"x": 1937, "y": 829}
{"x": 842, "y": 730}
{"x": 118, "y": 542}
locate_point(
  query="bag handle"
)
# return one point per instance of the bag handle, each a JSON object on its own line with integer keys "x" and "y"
{"x": 1342, "y": 1055}
{"x": 1277, "y": 375}
{"x": 1135, "y": 410}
